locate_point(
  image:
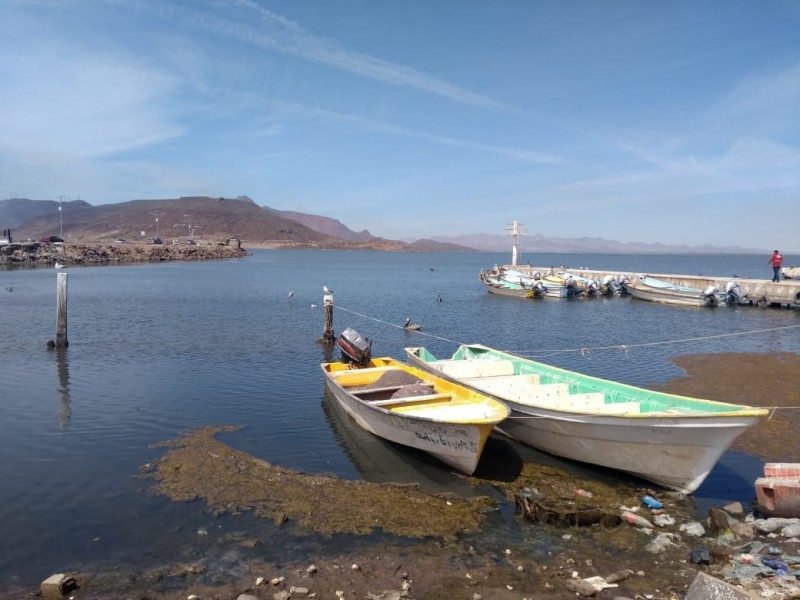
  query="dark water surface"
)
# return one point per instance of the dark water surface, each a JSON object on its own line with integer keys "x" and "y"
{"x": 156, "y": 349}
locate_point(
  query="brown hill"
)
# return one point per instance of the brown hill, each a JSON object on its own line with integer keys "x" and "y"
{"x": 201, "y": 218}
{"x": 326, "y": 225}
{"x": 195, "y": 217}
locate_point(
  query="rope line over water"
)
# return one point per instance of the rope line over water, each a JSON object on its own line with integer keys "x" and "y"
{"x": 583, "y": 350}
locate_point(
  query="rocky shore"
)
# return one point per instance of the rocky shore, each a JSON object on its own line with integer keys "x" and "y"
{"x": 35, "y": 254}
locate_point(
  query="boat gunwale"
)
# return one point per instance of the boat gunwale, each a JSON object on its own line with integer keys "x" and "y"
{"x": 491, "y": 402}
{"x": 738, "y": 410}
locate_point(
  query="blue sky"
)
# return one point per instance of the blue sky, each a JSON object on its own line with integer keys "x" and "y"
{"x": 672, "y": 122}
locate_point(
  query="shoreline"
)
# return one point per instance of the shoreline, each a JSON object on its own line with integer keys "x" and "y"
{"x": 36, "y": 254}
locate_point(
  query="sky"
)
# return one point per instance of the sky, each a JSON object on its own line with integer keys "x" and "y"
{"x": 674, "y": 122}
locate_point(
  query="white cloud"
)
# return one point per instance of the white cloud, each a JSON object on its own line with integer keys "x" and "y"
{"x": 276, "y": 33}
{"x": 81, "y": 106}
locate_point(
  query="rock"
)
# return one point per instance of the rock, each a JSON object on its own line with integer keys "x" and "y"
{"x": 58, "y": 585}
{"x": 706, "y": 587}
{"x": 246, "y": 597}
{"x": 298, "y": 590}
{"x": 719, "y": 521}
{"x": 791, "y": 531}
{"x": 580, "y": 587}
{"x": 700, "y": 556}
{"x": 734, "y": 508}
{"x": 620, "y": 575}
{"x": 281, "y": 595}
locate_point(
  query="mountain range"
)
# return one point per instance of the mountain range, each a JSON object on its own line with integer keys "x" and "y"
{"x": 215, "y": 219}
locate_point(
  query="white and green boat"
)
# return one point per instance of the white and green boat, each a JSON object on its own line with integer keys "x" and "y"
{"x": 671, "y": 440}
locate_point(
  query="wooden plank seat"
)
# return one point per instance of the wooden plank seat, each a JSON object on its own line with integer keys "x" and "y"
{"x": 511, "y": 387}
{"x": 474, "y": 368}
{"x": 370, "y": 391}
{"x": 411, "y": 400}
{"x": 544, "y": 393}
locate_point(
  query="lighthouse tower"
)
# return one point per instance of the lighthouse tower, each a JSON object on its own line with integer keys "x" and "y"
{"x": 515, "y": 229}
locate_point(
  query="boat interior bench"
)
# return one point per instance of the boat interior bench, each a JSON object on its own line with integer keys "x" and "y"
{"x": 438, "y": 398}
{"x": 474, "y": 368}
{"x": 513, "y": 387}
{"x": 545, "y": 392}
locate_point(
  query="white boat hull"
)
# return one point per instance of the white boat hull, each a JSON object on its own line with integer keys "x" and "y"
{"x": 455, "y": 444}
{"x": 673, "y": 441}
{"x": 677, "y": 453}
{"x": 668, "y": 297}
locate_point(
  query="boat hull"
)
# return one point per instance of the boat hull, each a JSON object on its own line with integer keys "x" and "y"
{"x": 674, "y": 453}
{"x": 663, "y": 296}
{"x": 457, "y": 440}
{"x": 670, "y": 440}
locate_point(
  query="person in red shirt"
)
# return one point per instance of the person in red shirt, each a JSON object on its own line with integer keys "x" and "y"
{"x": 776, "y": 260}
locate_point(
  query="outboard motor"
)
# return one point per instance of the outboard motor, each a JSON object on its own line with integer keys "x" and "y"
{"x": 572, "y": 289}
{"x": 622, "y": 283}
{"x": 539, "y": 288}
{"x": 537, "y": 275}
{"x": 733, "y": 293}
{"x": 710, "y": 294}
{"x": 610, "y": 285}
{"x": 593, "y": 288}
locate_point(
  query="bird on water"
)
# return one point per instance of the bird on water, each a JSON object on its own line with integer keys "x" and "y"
{"x": 409, "y": 326}
{"x": 326, "y": 289}
{"x": 291, "y": 293}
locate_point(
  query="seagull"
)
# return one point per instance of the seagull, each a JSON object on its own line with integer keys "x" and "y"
{"x": 291, "y": 293}
{"x": 58, "y": 265}
{"x": 313, "y": 305}
{"x": 326, "y": 290}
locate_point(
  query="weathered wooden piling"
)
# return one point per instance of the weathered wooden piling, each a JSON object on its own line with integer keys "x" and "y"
{"x": 61, "y": 312}
{"x": 327, "y": 318}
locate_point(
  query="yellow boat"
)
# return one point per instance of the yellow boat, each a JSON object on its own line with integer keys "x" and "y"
{"x": 409, "y": 406}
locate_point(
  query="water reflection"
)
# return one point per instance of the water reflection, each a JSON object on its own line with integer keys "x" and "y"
{"x": 381, "y": 461}
{"x": 65, "y": 414}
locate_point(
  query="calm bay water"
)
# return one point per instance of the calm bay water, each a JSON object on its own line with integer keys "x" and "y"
{"x": 156, "y": 349}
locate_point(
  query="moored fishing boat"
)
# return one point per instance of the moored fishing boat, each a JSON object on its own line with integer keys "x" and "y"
{"x": 415, "y": 408}
{"x": 499, "y": 286}
{"x": 668, "y": 439}
{"x": 665, "y": 292}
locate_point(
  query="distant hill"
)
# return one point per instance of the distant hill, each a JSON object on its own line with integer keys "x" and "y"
{"x": 15, "y": 211}
{"x": 198, "y": 217}
{"x": 585, "y": 245}
{"x": 215, "y": 219}
{"x": 325, "y": 225}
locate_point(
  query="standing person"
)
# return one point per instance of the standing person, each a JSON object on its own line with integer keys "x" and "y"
{"x": 776, "y": 260}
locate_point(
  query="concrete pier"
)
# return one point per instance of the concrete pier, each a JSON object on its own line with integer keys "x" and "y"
{"x": 759, "y": 292}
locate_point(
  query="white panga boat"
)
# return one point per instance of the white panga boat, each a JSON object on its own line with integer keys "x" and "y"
{"x": 665, "y": 292}
{"x": 415, "y": 408}
{"x": 671, "y": 440}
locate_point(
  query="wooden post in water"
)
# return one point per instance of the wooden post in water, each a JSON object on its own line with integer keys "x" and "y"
{"x": 327, "y": 318}
{"x": 61, "y": 312}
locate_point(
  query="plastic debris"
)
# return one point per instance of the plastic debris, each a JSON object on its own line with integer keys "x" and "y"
{"x": 651, "y": 502}
{"x": 637, "y": 520}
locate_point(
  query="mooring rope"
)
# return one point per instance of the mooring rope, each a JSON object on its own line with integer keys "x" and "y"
{"x": 583, "y": 350}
